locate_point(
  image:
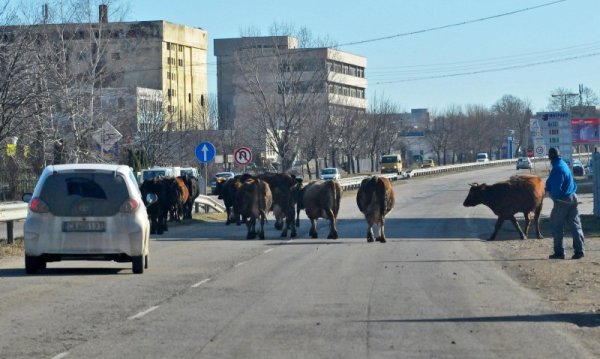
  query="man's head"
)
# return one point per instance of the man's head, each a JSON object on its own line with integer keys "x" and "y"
{"x": 553, "y": 153}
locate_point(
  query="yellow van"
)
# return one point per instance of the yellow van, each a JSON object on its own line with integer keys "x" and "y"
{"x": 391, "y": 164}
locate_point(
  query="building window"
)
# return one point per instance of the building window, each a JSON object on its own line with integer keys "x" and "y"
{"x": 121, "y": 102}
{"x": 202, "y": 100}
{"x": 189, "y": 97}
{"x": 116, "y": 56}
{"x": 180, "y": 62}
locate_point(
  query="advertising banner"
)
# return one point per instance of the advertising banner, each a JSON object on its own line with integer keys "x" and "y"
{"x": 585, "y": 130}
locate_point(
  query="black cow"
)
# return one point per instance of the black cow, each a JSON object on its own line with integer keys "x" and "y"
{"x": 159, "y": 210}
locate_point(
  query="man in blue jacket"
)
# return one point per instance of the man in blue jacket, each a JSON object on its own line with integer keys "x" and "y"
{"x": 561, "y": 186}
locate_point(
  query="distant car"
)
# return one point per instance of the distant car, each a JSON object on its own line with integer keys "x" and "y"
{"x": 523, "y": 163}
{"x": 578, "y": 169}
{"x": 213, "y": 181}
{"x": 483, "y": 157}
{"x": 428, "y": 163}
{"x": 86, "y": 212}
{"x": 330, "y": 173}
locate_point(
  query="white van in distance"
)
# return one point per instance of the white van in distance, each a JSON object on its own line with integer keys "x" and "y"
{"x": 483, "y": 157}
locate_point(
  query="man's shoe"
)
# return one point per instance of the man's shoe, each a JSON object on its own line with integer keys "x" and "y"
{"x": 577, "y": 256}
{"x": 556, "y": 256}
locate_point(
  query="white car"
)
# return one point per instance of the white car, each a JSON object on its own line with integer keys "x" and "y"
{"x": 86, "y": 212}
{"x": 330, "y": 174}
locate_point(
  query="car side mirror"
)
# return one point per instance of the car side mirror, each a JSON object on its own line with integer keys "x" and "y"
{"x": 151, "y": 198}
{"x": 26, "y": 197}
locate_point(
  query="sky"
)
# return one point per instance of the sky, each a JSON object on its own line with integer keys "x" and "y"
{"x": 425, "y": 53}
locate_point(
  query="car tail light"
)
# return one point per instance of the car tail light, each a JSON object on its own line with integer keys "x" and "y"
{"x": 129, "y": 206}
{"x": 38, "y": 206}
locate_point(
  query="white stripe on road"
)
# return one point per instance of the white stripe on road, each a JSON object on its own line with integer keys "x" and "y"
{"x": 61, "y": 355}
{"x": 141, "y": 314}
{"x": 200, "y": 283}
{"x": 268, "y": 250}
{"x": 240, "y": 264}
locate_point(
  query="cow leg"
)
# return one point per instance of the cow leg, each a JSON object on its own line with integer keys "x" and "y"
{"x": 527, "y": 216}
{"x": 499, "y": 222}
{"x": 298, "y": 217}
{"x": 381, "y": 237}
{"x": 332, "y": 225}
{"x": 261, "y": 234}
{"x": 279, "y": 223}
{"x": 251, "y": 225}
{"x": 536, "y": 218}
{"x": 514, "y": 221}
{"x": 313, "y": 228}
{"x": 290, "y": 223}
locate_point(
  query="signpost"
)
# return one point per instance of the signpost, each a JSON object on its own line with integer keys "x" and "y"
{"x": 106, "y": 137}
{"x": 205, "y": 152}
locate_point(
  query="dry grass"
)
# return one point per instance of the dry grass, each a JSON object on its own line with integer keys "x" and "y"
{"x": 12, "y": 250}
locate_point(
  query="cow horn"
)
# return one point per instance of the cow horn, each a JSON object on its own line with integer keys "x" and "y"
{"x": 474, "y": 184}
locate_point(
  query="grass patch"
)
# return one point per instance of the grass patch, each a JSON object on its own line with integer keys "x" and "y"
{"x": 16, "y": 249}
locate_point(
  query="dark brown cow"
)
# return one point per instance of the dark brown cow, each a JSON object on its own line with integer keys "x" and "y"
{"x": 518, "y": 194}
{"x": 283, "y": 187}
{"x": 375, "y": 199}
{"x": 253, "y": 200}
{"x": 225, "y": 189}
{"x": 321, "y": 199}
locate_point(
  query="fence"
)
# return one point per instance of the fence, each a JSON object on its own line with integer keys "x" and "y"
{"x": 13, "y": 187}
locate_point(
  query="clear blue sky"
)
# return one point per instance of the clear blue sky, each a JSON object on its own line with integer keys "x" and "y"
{"x": 522, "y": 42}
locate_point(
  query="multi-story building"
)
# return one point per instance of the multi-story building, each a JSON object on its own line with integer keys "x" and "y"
{"x": 128, "y": 56}
{"x": 263, "y": 74}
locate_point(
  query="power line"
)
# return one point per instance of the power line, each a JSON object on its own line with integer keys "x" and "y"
{"x": 450, "y": 25}
{"x": 490, "y": 70}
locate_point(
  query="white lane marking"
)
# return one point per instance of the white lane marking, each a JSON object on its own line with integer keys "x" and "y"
{"x": 240, "y": 264}
{"x": 61, "y": 355}
{"x": 141, "y": 314}
{"x": 268, "y": 250}
{"x": 291, "y": 240}
{"x": 200, "y": 283}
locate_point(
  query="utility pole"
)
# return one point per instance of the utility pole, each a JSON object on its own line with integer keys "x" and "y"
{"x": 563, "y": 99}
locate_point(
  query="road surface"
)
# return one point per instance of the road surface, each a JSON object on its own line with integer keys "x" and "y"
{"x": 431, "y": 291}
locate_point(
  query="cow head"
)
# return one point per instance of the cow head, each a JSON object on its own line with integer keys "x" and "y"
{"x": 475, "y": 195}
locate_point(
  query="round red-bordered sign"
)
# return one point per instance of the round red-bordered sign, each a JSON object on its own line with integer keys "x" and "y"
{"x": 242, "y": 156}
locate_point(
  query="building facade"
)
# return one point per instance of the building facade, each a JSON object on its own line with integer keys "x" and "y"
{"x": 262, "y": 79}
{"x": 113, "y": 60}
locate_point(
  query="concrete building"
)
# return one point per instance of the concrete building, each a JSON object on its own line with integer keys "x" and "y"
{"x": 323, "y": 80}
{"x": 128, "y": 56}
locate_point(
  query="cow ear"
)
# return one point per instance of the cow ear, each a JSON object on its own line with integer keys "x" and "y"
{"x": 474, "y": 184}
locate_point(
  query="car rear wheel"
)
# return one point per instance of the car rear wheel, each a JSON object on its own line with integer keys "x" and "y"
{"x": 137, "y": 264}
{"x": 32, "y": 264}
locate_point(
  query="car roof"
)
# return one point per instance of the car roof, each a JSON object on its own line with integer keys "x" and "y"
{"x": 224, "y": 174}
{"x": 88, "y": 166}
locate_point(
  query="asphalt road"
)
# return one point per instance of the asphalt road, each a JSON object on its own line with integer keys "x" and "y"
{"x": 431, "y": 291}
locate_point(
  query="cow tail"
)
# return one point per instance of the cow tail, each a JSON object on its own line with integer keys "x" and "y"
{"x": 382, "y": 193}
{"x": 337, "y": 197}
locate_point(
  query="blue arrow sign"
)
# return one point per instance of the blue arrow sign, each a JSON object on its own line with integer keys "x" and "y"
{"x": 205, "y": 152}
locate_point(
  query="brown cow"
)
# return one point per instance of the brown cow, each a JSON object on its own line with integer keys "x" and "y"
{"x": 182, "y": 195}
{"x": 321, "y": 199}
{"x": 518, "y": 194}
{"x": 253, "y": 200}
{"x": 375, "y": 199}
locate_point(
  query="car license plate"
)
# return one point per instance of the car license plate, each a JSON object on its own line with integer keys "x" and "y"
{"x": 84, "y": 226}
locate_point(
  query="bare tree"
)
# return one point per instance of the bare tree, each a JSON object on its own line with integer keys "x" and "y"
{"x": 382, "y": 128}
{"x": 514, "y": 113}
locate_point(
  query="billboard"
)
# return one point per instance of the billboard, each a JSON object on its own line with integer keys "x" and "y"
{"x": 585, "y": 130}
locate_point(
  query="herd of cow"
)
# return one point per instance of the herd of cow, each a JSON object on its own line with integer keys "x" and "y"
{"x": 248, "y": 199}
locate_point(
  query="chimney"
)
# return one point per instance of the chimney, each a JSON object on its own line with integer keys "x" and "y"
{"x": 45, "y": 13}
{"x": 103, "y": 13}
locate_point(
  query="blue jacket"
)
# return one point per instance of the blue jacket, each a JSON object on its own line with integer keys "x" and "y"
{"x": 560, "y": 182}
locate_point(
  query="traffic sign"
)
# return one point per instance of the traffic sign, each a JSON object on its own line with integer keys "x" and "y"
{"x": 205, "y": 152}
{"x": 242, "y": 155}
{"x": 540, "y": 150}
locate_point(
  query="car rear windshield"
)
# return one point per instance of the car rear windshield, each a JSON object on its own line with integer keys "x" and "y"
{"x": 329, "y": 171}
{"x": 84, "y": 193}
{"x": 148, "y": 175}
